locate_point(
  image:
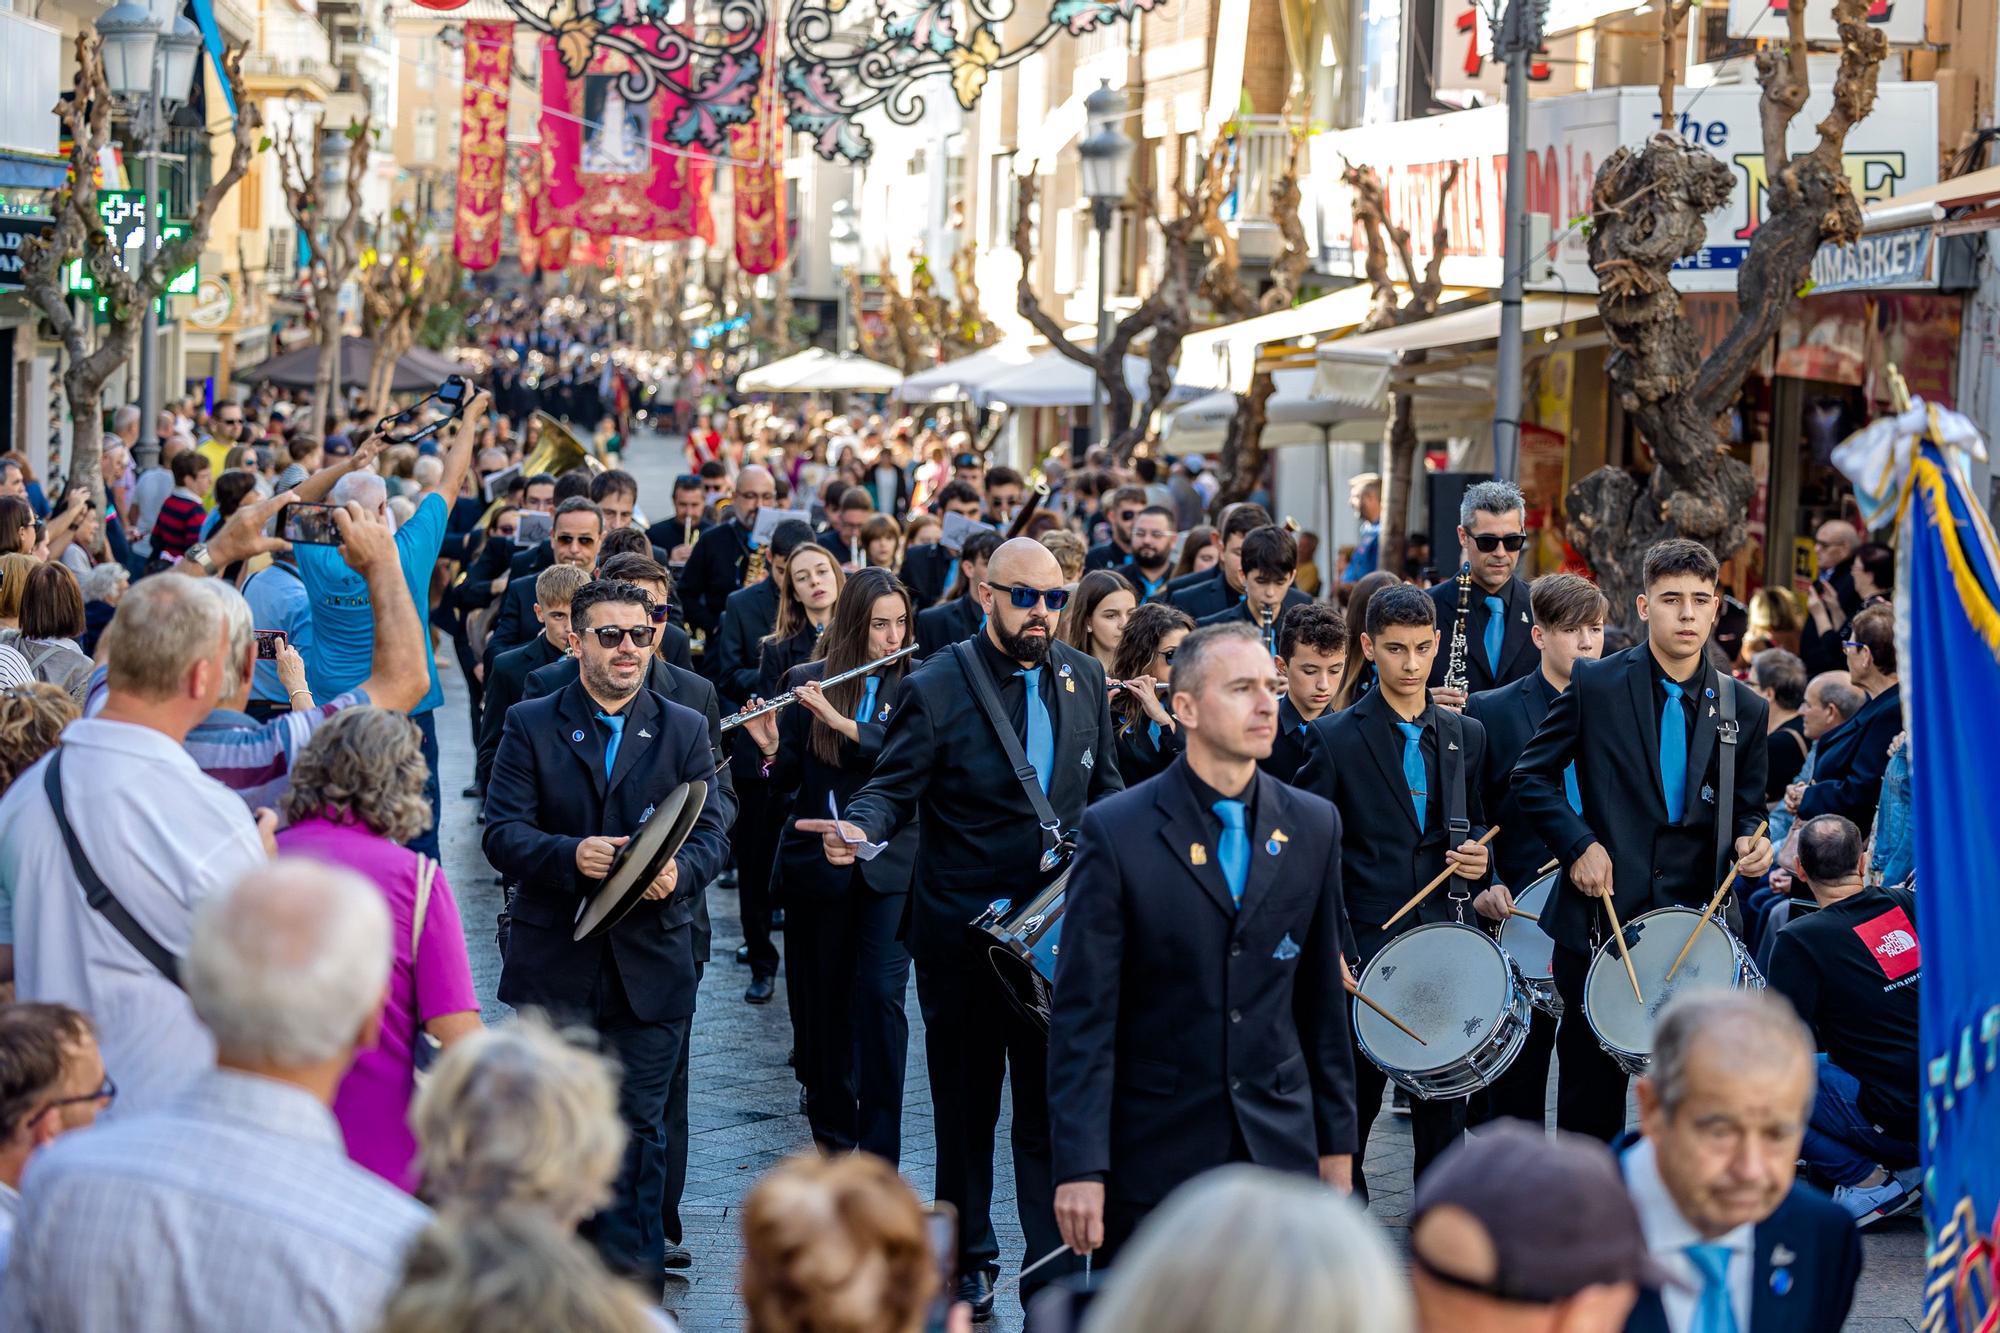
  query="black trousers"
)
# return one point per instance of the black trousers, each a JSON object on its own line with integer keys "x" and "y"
{"x": 1434, "y": 1125}
{"x": 1590, "y": 1087}
{"x": 974, "y": 1038}
{"x": 678, "y": 1134}
{"x": 628, "y": 1231}
{"x": 846, "y": 973}
{"x": 755, "y": 842}
{"x": 1523, "y": 1091}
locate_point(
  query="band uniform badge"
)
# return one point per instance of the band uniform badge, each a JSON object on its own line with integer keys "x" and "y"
{"x": 1197, "y": 854}
{"x": 1088, "y": 760}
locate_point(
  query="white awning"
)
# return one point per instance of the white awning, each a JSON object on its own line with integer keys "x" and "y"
{"x": 1294, "y": 417}
{"x": 1228, "y": 356}
{"x": 1360, "y": 371}
{"x": 957, "y": 381}
{"x": 817, "y": 370}
{"x": 1050, "y": 379}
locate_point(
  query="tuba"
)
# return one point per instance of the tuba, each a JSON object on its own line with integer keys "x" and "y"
{"x": 557, "y": 450}
{"x": 1454, "y": 672}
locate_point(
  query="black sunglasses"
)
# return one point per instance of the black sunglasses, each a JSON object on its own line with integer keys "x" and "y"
{"x": 1024, "y": 599}
{"x": 1489, "y": 542}
{"x": 610, "y": 636}
{"x": 658, "y": 614}
{"x": 1127, "y": 515}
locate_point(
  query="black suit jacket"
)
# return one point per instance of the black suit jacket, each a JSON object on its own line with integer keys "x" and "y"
{"x": 515, "y": 622}
{"x": 1240, "y": 614}
{"x": 801, "y": 782}
{"x": 1847, "y": 776}
{"x": 941, "y": 763}
{"x": 1105, "y": 555}
{"x": 1188, "y": 582}
{"x": 714, "y": 570}
{"x": 941, "y": 626}
{"x": 1182, "y": 1019}
{"x": 1210, "y": 603}
{"x": 923, "y": 572}
{"x": 506, "y": 685}
{"x": 531, "y": 560}
{"x": 1607, "y": 723}
{"x": 548, "y": 792}
{"x": 748, "y": 616}
{"x": 1138, "y": 757}
{"x": 1511, "y": 715}
{"x": 1354, "y": 759}
{"x": 476, "y": 588}
{"x": 1288, "y": 748}
{"x": 1518, "y": 654}
{"x": 668, "y": 532}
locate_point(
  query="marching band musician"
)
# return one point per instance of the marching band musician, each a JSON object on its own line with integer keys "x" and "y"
{"x": 931, "y": 569}
{"x": 846, "y": 967}
{"x": 1224, "y": 587}
{"x": 576, "y": 773}
{"x": 1199, "y": 1017}
{"x": 960, "y": 615}
{"x": 1269, "y": 559}
{"x": 1312, "y": 657}
{"x": 943, "y": 761}
{"x": 1492, "y": 529}
{"x": 1147, "y": 738}
{"x": 1569, "y": 625}
{"x": 1642, "y": 729}
{"x": 715, "y": 567}
{"x": 1397, "y": 812}
{"x": 750, "y": 614}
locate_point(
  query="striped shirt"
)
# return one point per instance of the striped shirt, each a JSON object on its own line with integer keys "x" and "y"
{"x": 179, "y": 524}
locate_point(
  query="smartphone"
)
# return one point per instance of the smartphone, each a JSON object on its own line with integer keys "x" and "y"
{"x": 941, "y": 1228}
{"x": 307, "y": 524}
{"x": 267, "y": 643}
{"x": 535, "y": 527}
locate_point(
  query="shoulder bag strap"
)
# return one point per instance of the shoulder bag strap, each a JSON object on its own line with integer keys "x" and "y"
{"x": 426, "y": 874}
{"x": 1725, "y": 735}
{"x": 984, "y": 690}
{"x": 96, "y": 892}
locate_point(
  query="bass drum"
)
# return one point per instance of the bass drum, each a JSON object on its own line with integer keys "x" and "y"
{"x": 1023, "y": 943}
{"x": 1531, "y": 948}
{"x": 1623, "y": 1026}
{"x": 1460, "y": 992}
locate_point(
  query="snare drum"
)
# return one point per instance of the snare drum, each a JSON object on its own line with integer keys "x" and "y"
{"x": 1531, "y": 948}
{"x": 1023, "y": 945}
{"x": 1461, "y": 992}
{"x": 1624, "y": 1027}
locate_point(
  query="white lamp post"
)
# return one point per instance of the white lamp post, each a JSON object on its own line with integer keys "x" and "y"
{"x": 1105, "y": 157}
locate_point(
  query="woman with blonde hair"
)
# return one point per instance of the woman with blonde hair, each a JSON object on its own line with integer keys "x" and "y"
{"x": 14, "y": 571}
{"x": 32, "y": 717}
{"x": 1068, "y": 549}
{"x": 1776, "y": 621}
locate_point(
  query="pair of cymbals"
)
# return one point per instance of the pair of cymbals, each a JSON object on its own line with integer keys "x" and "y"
{"x": 642, "y": 858}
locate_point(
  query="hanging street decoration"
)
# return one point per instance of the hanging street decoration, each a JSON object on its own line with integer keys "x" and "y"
{"x": 759, "y": 181}
{"x": 482, "y": 144}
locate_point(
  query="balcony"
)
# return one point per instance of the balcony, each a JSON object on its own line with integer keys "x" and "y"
{"x": 281, "y": 252}
{"x": 308, "y": 73}
{"x": 1262, "y": 145}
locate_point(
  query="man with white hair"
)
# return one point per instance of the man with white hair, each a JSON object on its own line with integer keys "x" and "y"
{"x": 234, "y": 1205}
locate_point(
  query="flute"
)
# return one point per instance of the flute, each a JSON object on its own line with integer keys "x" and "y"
{"x": 735, "y": 720}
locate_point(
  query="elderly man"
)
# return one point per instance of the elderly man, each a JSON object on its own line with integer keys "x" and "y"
{"x": 1847, "y": 774}
{"x": 234, "y": 1206}
{"x": 1722, "y": 1115}
{"x": 52, "y": 1081}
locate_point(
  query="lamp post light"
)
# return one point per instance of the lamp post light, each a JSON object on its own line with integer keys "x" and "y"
{"x": 1106, "y": 164}
{"x": 843, "y": 247}
{"x": 149, "y": 69}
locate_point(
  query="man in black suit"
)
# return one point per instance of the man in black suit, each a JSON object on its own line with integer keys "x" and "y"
{"x": 1499, "y": 624}
{"x": 931, "y": 569}
{"x": 1750, "y": 1247}
{"x": 506, "y": 683}
{"x": 1407, "y": 812}
{"x": 1268, "y": 559}
{"x": 1151, "y": 558}
{"x": 1199, "y": 1016}
{"x": 1847, "y": 776}
{"x": 715, "y": 566}
{"x": 1121, "y": 509}
{"x": 1569, "y": 626}
{"x": 844, "y": 522}
{"x": 1644, "y": 731}
{"x": 575, "y": 539}
{"x": 1223, "y": 587}
{"x": 678, "y": 533}
{"x": 1312, "y": 657}
{"x": 942, "y": 763}
{"x": 576, "y": 774}
{"x": 960, "y": 618}
{"x": 748, "y": 617}
{"x": 1177, "y": 586}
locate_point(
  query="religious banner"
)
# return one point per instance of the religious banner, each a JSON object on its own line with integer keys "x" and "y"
{"x": 759, "y": 178}
{"x": 609, "y": 166}
{"x": 482, "y": 144}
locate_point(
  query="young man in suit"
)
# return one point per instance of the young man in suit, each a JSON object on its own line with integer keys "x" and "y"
{"x": 679, "y": 533}
{"x": 507, "y": 680}
{"x": 1749, "y": 1248}
{"x": 1312, "y": 656}
{"x": 1408, "y": 812}
{"x": 932, "y": 568}
{"x": 576, "y": 774}
{"x": 1203, "y": 595}
{"x": 947, "y": 623}
{"x": 1121, "y": 509}
{"x": 1645, "y": 733}
{"x": 1203, "y": 927}
{"x": 1569, "y": 625}
{"x": 1499, "y": 642}
{"x": 942, "y": 763}
{"x": 1269, "y": 562}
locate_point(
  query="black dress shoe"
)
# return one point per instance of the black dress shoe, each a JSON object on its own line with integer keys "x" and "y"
{"x": 976, "y": 1290}
{"x": 743, "y": 955}
{"x": 678, "y": 1256}
{"x": 727, "y": 879}
{"x": 760, "y": 991}
{"x": 472, "y": 792}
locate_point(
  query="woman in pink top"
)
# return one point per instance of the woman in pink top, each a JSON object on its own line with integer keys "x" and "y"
{"x": 357, "y": 790}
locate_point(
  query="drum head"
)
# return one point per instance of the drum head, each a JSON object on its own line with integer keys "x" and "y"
{"x": 1525, "y": 941}
{"x": 1448, "y": 982}
{"x": 641, "y": 859}
{"x": 1654, "y": 940}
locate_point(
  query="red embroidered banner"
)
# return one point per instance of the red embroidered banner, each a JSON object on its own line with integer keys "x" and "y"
{"x": 759, "y": 177}
{"x": 482, "y": 144}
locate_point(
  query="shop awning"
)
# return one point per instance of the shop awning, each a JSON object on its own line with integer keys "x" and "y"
{"x": 32, "y": 171}
{"x": 1361, "y": 371}
{"x": 1294, "y": 417}
{"x": 1977, "y": 191}
{"x": 1050, "y": 379}
{"x": 817, "y": 370}
{"x": 960, "y": 380}
{"x": 1230, "y": 355}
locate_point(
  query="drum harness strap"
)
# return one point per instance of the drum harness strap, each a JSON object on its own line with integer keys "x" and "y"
{"x": 1451, "y": 772}
{"x": 1056, "y": 845}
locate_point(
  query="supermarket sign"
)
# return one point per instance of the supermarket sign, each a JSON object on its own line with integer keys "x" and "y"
{"x": 1890, "y": 153}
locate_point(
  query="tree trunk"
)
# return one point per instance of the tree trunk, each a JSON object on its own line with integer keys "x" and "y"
{"x": 1242, "y": 461}
{"x": 326, "y": 304}
{"x": 1401, "y": 483}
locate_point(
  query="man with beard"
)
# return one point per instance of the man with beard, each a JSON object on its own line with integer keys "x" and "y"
{"x": 1152, "y": 557}
{"x": 1499, "y": 616}
{"x": 715, "y": 566}
{"x": 576, "y": 774}
{"x": 575, "y": 539}
{"x": 943, "y": 764}
{"x": 1121, "y": 508}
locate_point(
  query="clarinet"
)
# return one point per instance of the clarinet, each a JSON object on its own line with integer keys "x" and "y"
{"x": 1454, "y": 672}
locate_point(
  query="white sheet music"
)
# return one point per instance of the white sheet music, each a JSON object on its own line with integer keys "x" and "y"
{"x": 866, "y": 851}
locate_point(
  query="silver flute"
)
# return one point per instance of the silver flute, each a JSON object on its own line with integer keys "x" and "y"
{"x": 735, "y": 720}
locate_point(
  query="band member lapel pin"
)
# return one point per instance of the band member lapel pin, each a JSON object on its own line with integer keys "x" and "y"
{"x": 1276, "y": 843}
{"x": 1069, "y": 681}
{"x": 1197, "y": 854}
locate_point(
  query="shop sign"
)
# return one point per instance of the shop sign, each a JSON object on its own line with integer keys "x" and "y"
{"x": 124, "y": 216}
{"x": 15, "y": 229}
{"x": 1901, "y": 21}
{"x": 1892, "y": 259}
{"x": 1568, "y": 138}
{"x": 214, "y": 303}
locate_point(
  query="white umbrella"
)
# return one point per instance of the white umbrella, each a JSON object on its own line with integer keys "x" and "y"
{"x": 1051, "y": 379}
{"x": 958, "y": 381}
{"x": 817, "y": 370}
{"x": 778, "y": 376}
{"x": 1291, "y": 416}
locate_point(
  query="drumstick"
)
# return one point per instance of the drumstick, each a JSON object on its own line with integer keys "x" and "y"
{"x": 1618, "y": 933}
{"x": 1713, "y": 903}
{"x": 1525, "y": 916}
{"x": 1443, "y": 875}
{"x": 1554, "y": 861}
{"x": 1399, "y": 1024}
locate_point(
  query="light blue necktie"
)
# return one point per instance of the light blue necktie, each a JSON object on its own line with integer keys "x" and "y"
{"x": 1153, "y": 734}
{"x": 950, "y": 573}
{"x": 1041, "y": 734}
{"x": 1496, "y": 632}
{"x": 617, "y": 724}
{"x": 1714, "y": 1312}
{"x": 1673, "y": 753}
{"x": 1413, "y": 768}
{"x": 1232, "y": 851}
{"x": 867, "y": 709}
{"x": 1569, "y": 788}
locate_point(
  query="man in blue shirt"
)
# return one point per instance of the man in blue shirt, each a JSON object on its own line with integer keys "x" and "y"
{"x": 344, "y": 624}
{"x": 278, "y": 600}
{"x": 1365, "y": 494}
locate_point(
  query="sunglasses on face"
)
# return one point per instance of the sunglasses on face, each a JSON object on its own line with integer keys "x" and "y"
{"x": 1024, "y": 599}
{"x": 106, "y": 1092}
{"x": 610, "y": 636}
{"x": 659, "y": 614}
{"x": 1490, "y": 542}
{"x": 1127, "y": 515}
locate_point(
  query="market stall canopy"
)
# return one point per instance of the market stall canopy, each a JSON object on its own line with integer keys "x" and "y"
{"x": 1362, "y": 372}
{"x": 1294, "y": 417}
{"x": 298, "y": 368}
{"x": 1230, "y": 355}
{"x": 817, "y": 370}
{"x": 960, "y": 380}
{"x": 1050, "y": 379}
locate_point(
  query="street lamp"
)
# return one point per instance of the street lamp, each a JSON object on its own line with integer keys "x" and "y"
{"x": 1106, "y": 162}
{"x": 843, "y": 247}
{"x": 150, "y": 70}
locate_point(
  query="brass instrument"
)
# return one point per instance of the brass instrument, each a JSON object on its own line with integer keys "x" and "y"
{"x": 557, "y": 450}
{"x": 735, "y": 720}
{"x": 753, "y": 568}
{"x": 1028, "y": 507}
{"x": 1454, "y": 672}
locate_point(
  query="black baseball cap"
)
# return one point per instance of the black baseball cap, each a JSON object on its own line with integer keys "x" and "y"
{"x": 1555, "y": 1212}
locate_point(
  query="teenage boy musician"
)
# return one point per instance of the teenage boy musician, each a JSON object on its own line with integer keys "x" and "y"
{"x": 1312, "y": 653}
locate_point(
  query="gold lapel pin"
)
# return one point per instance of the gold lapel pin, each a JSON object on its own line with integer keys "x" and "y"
{"x": 1197, "y": 854}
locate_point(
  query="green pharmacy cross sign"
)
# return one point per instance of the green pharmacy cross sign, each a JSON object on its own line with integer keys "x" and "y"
{"x": 124, "y": 215}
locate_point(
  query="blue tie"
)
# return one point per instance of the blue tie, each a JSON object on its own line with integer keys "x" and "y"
{"x": 1569, "y": 788}
{"x": 1041, "y": 735}
{"x": 950, "y": 573}
{"x": 1714, "y": 1312}
{"x": 1673, "y": 753}
{"x": 1496, "y": 631}
{"x": 617, "y": 724}
{"x": 1153, "y": 734}
{"x": 867, "y": 709}
{"x": 1232, "y": 852}
{"x": 1413, "y": 768}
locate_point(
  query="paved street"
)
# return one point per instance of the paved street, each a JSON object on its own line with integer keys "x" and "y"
{"x": 745, "y": 1103}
